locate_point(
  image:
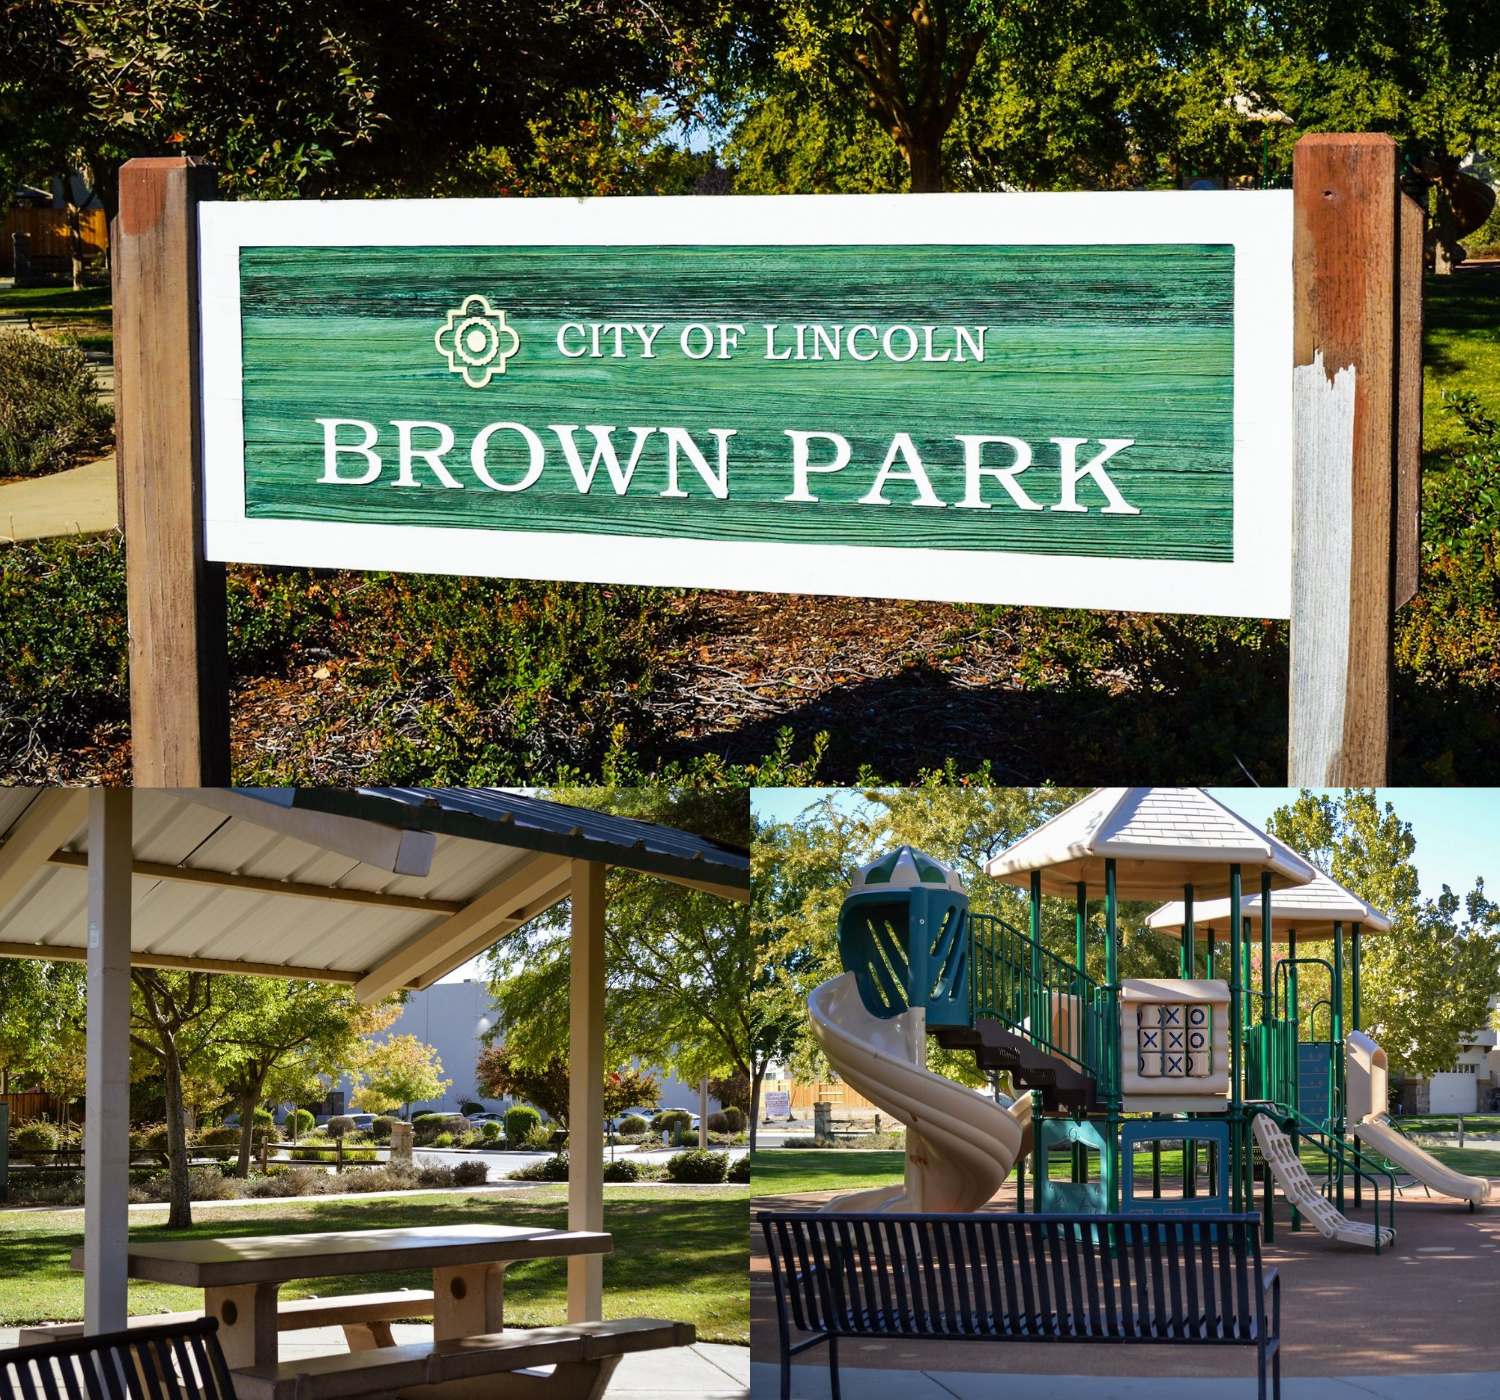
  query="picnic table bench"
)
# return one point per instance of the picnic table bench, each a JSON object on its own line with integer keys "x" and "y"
{"x": 472, "y": 1350}
{"x": 1190, "y": 1280}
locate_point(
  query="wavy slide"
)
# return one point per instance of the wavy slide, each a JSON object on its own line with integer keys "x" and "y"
{"x": 960, "y": 1146}
{"x": 1402, "y": 1152}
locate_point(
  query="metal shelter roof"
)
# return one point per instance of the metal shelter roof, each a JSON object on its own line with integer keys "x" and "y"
{"x": 376, "y": 888}
{"x": 1160, "y": 839}
{"x": 1311, "y": 909}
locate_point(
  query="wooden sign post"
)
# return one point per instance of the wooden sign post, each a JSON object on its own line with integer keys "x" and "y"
{"x": 179, "y": 673}
{"x": 1357, "y": 450}
{"x": 1077, "y": 400}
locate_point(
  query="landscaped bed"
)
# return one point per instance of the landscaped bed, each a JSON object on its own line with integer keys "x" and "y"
{"x": 676, "y": 1255}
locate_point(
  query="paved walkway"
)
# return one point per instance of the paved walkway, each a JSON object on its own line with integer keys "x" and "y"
{"x": 708, "y": 1371}
{"x": 811, "y": 1383}
{"x": 78, "y": 502}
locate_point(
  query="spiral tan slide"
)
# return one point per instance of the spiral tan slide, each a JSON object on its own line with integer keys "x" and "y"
{"x": 960, "y": 1146}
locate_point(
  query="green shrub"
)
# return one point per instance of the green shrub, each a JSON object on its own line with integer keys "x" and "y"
{"x": 664, "y": 1122}
{"x": 730, "y": 1121}
{"x": 469, "y": 1107}
{"x": 50, "y": 414}
{"x": 380, "y": 1129}
{"x": 227, "y": 1135}
{"x": 443, "y": 1140}
{"x": 421, "y": 1121}
{"x": 38, "y": 1137}
{"x": 698, "y": 1166}
{"x": 548, "y": 1169}
{"x": 622, "y": 1169}
{"x": 340, "y": 1126}
{"x": 739, "y": 1170}
{"x": 300, "y": 1120}
{"x": 490, "y": 1131}
{"x": 470, "y": 1173}
{"x": 262, "y": 1118}
{"x": 520, "y": 1119}
{"x": 633, "y": 1125}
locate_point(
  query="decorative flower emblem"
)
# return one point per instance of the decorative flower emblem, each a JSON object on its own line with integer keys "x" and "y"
{"x": 474, "y": 334}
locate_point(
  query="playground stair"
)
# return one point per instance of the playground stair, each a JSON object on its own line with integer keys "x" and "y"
{"x": 1061, "y": 1085}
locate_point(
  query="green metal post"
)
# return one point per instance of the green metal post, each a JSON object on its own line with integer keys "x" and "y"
{"x": 1354, "y": 1025}
{"x": 1112, "y": 1039}
{"x": 1266, "y": 1018}
{"x": 1156, "y": 1169}
{"x": 1080, "y": 960}
{"x": 1041, "y": 1014}
{"x": 4, "y": 1152}
{"x": 1236, "y": 1043}
{"x": 1188, "y": 963}
{"x": 1336, "y": 1069}
{"x": 1294, "y": 1070}
{"x": 1208, "y": 955}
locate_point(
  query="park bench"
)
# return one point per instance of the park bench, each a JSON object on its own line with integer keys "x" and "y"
{"x": 365, "y": 1317}
{"x": 177, "y": 1361}
{"x": 1190, "y": 1279}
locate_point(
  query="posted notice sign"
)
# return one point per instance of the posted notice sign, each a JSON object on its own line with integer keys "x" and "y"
{"x": 1070, "y": 399}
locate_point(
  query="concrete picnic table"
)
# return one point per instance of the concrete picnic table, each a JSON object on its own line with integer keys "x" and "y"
{"x": 240, "y": 1277}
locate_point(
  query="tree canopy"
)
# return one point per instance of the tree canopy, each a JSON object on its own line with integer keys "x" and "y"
{"x": 678, "y": 961}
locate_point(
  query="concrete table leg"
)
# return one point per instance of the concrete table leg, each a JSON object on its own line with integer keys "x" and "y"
{"x": 467, "y": 1301}
{"x": 247, "y": 1322}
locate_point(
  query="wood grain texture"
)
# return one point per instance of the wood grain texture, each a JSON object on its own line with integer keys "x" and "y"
{"x": 1130, "y": 342}
{"x": 1346, "y": 297}
{"x": 179, "y": 689}
{"x": 1413, "y": 225}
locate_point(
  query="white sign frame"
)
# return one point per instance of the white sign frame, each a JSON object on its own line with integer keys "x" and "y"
{"x": 1257, "y": 583}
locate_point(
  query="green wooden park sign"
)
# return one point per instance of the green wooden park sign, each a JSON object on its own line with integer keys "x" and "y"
{"x": 1080, "y": 400}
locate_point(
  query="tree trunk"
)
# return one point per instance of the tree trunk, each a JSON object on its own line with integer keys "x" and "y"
{"x": 755, "y": 1081}
{"x": 180, "y": 1212}
{"x": 925, "y": 158}
{"x": 75, "y": 233}
{"x": 247, "y": 1132}
{"x": 1447, "y": 252}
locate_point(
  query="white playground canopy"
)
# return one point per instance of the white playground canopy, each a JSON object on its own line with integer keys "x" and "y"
{"x": 1161, "y": 840}
{"x": 1310, "y": 911}
{"x": 379, "y": 889}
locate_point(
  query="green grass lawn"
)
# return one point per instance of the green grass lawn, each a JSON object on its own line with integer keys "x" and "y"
{"x": 679, "y": 1255}
{"x": 86, "y": 316}
{"x": 789, "y": 1171}
{"x": 1461, "y": 350}
{"x": 1448, "y": 1123}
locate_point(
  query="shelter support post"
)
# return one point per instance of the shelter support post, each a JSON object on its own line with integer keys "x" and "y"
{"x": 1112, "y": 1039}
{"x": 179, "y": 684}
{"x": 586, "y": 1088}
{"x": 1267, "y": 1018}
{"x": 1336, "y": 1067}
{"x": 703, "y": 1115}
{"x": 1356, "y": 432}
{"x": 1236, "y": 1043}
{"x": 1189, "y": 959}
{"x": 106, "y": 1130}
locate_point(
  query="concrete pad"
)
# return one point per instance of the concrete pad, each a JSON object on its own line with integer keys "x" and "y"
{"x": 82, "y": 501}
{"x": 811, "y": 1383}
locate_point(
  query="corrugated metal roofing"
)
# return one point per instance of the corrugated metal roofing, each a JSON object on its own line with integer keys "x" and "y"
{"x": 173, "y": 919}
{"x": 1160, "y": 840}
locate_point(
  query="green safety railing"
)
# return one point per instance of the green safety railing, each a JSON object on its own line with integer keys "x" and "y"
{"x": 1024, "y": 985}
{"x": 1341, "y": 1160}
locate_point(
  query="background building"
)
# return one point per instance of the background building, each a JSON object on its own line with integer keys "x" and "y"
{"x": 452, "y": 1017}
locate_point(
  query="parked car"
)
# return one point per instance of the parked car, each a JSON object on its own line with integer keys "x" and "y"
{"x": 363, "y": 1122}
{"x": 486, "y": 1118}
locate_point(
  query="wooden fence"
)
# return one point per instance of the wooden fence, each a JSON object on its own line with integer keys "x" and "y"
{"x": 805, "y": 1094}
{"x": 25, "y": 1107}
{"x": 49, "y": 235}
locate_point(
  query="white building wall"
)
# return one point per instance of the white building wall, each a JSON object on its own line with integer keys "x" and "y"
{"x": 452, "y": 1017}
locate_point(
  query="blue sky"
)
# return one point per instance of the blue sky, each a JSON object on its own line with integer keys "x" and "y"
{"x": 1457, "y": 829}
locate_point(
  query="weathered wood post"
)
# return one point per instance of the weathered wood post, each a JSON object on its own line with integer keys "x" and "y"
{"x": 1356, "y": 447}
{"x": 179, "y": 687}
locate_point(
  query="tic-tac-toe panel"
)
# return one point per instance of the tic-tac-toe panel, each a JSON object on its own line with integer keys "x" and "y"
{"x": 1174, "y": 1037}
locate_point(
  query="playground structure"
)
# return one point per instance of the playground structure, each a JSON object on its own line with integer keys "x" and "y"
{"x": 1113, "y": 1072}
